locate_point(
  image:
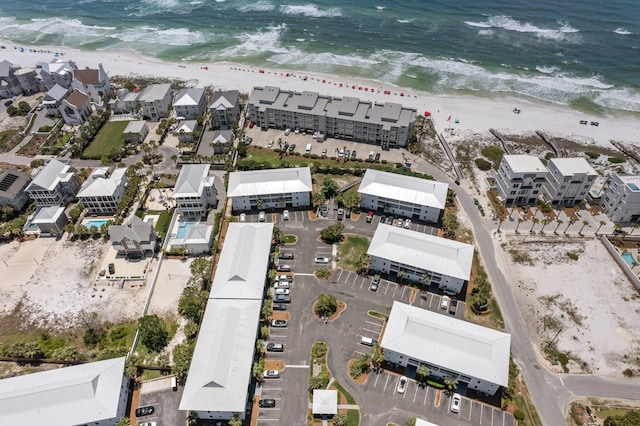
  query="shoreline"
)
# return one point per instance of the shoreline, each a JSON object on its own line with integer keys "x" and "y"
{"x": 475, "y": 114}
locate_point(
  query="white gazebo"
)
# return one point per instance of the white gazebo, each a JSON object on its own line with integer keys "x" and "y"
{"x": 325, "y": 402}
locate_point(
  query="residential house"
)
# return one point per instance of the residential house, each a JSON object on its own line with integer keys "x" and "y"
{"x": 135, "y": 132}
{"x": 186, "y": 130}
{"x": 225, "y": 109}
{"x": 190, "y": 103}
{"x": 621, "y": 198}
{"x": 569, "y": 181}
{"x": 125, "y": 102}
{"x": 194, "y": 191}
{"x": 76, "y": 108}
{"x": 53, "y": 100}
{"x": 9, "y": 86}
{"x": 57, "y": 72}
{"x": 193, "y": 238}
{"x": 102, "y": 191}
{"x": 401, "y": 195}
{"x": 155, "y": 101}
{"x": 222, "y": 139}
{"x": 520, "y": 179}
{"x": 271, "y": 188}
{"x": 50, "y": 220}
{"x": 93, "y": 393}
{"x": 134, "y": 238}
{"x": 476, "y": 356}
{"x": 28, "y": 80}
{"x": 13, "y": 185}
{"x": 421, "y": 258}
{"x": 217, "y": 386}
{"x": 92, "y": 82}
{"x": 55, "y": 185}
{"x": 387, "y": 125}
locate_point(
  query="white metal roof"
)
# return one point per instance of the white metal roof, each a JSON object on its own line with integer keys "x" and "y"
{"x": 244, "y": 262}
{"x": 135, "y": 126}
{"x": 404, "y": 188}
{"x": 420, "y": 422}
{"x": 189, "y": 96}
{"x": 47, "y": 214}
{"x": 325, "y": 401}
{"x": 99, "y": 186}
{"x": 270, "y": 181}
{"x": 154, "y": 92}
{"x": 453, "y": 344}
{"x": 422, "y": 251}
{"x": 192, "y": 180}
{"x": 75, "y": 395}
{"x": 524, "y": 163}
{"x": 220, "y": 370}
{"x": 573, "y": 166}
{"x": 51, "y": 174}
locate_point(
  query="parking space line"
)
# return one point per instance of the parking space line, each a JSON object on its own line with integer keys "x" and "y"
{"x": 374, "y": 323}
{"x": 376, "y": 382}
{"x": 371, "y": 331}
{"x": 386, "y": 382}
{"x": 355, "y": 278}
{"x": 404, "y": 288}
{"x": 426, "y": 394}
{"x": 364, "y": 280}
{"x": 492, "y": 411}
{"x": 470, "y": 409}
{"x": 503, "y": 416}
{"x": 481, "y": 412}
{"x": 416, "y": 394}
{"x": 359, "y": 353}
{"x": 394, "y": 291}
{"x": 340, "y": 274}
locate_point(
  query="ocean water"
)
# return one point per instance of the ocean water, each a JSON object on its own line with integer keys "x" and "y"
{"x": 584, "y": 54}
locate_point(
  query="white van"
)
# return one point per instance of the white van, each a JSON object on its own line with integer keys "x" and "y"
{"x": 174, "y": 384}
{"x": 287, "y": 132}
{"x": 368, "y": 341}
{"x": 307, "y": 150}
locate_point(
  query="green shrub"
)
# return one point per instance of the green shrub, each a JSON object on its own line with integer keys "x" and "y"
{"x": 518, "y": 414}
{"x": 483, "y": 164}
{"x": 616, "y": 160}
{"x": 572, "y": 255}
{"x": 45, "y": 129}
{"x": 629, "y": 372}
{"x": 592, "y": 155}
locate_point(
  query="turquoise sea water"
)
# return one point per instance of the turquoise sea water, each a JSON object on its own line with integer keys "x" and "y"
{"x": 585, "y": 54}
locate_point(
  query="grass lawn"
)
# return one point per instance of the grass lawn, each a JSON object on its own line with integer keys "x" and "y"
{"x": 353, "y": 418}
{"x": 163, "y": 221}
{"x": 290, "y": 239}
{"x": 350, "y": 251}
{"x": 64, "y": 139}
{"x": 108, "y": 141}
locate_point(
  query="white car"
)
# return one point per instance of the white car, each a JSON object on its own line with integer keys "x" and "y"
{"x": 341, "y": 153}
{"x": 270, "y": 144}
{"x": 271, "y": 374}
{"x": 399, "y": 224}
{"x": 402, "y": 384}
{"x": 323, "y": 260}
{"x": 284, "y": 277}
{"x": 285, "y": 215}
{"x": 456, "y": 399}
{"x": 284, "y": 291}
{"x": 243, "y": 217}
{"x": 407, "y": 223}
{"x": 444, "y": 303}
{"x": 262, "y": 215}
{"x": 281, "y": 284}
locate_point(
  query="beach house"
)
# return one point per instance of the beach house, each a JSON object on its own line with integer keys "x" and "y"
{"x": 92, "y": 82}
{"x": 190, "y": 103}
{"x": 57, "y": 71}
{"x": 224, "y": 109}
{"x": 386, "y": 125}
{"x": 401, "y": 195}
{"x": 477, "y": 357}
{"x": 102, "y": 191}
{"x": 9, "y": 85}
{"x": 520, "y": 179}
{"x": 186, "y": 130}
{"x": 50, "y": 220}
{"x": 422, "y": 258}
{"x": 28, "y": 80}
{"x": 135, "y": 132}
{"x": 13, "y": 184}
{"x": 125, "y": 102}
{"x": 194, "y": 191}
{"x": 569, "y": 181}
{"x": 155, "y": 101}
{"x": 75, "y": 108}
{"x": 621, "y": 198}
{"x": 53, "y": 100}
{"x": 55, "y": 185}
{"x": 270, "y": 188}
{"x": 133, "y": 238}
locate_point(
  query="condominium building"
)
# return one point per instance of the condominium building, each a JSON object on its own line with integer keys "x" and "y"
{"x": 387, "y": 125}
{"x": 225, "y": 109}
{"x": 190, "y": 103}
{"x": 621, "y": 198}
{"x": 569, "y": 181}
{"x": 194, "y": 191}
{"x": 271, "y": 188}
{"x": 422, "y": 258}
{"x": 102, "y": 191}
{"x": 520, "y": 179}
{"x": 476, "y": 356}
{"x": 55, "y": 185}
{"x": 155, "y": 101}
{"x": 402, "y": 195}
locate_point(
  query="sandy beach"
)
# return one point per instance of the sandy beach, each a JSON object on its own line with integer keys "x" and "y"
{"x": 474, "y": 113}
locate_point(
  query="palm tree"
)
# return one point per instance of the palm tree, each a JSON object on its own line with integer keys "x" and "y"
{"x": 520, "y": 220}
{"x": 545, "y": 222}
{"x": 451, "y": 383}
{"x": 535, "y": 221}
{"x": 513, "y": 208}
{"x": 555, "y": 231}
{"x": 584, "y": 223}
{"x": 423, "y": 372}
{"x": 602, "y": 223}
{"x": 500, "y": 220}
{"x": 634, "y": 226}
{"x": 571, "y": 222}
{"x": 401, "y": 274}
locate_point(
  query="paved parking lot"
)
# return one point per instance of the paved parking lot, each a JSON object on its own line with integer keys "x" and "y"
{"x": 164, "y": 400}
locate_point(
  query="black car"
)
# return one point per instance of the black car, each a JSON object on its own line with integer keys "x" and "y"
{"x": 287, "y": 255}
{"x": 8, "y": 103}
{"x": 347, "y": 213}
{"x": 383, "y": 219}
{"x": 144, "y": 411}
{"x": 353, "y": 155}
{"x": 292, "y": 147}
{"x": 267, "y": 403}
{"x": 279, "y": 307}
{"x": 285, "y": 147}
{"x": 377, "y": 156}
{"x": 275, "y": 347}
{"x": 112, "y": 269}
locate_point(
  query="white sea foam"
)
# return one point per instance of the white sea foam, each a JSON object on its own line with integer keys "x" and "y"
{"x": 380, "y": 7}
{"x": 256, "y": 43}
{"x": 150, "y": 7}
{"x": 258, "y": 6}
{"x": 546, "y": 70}
{"x": 170, "y": 36}
{"x": 37, "y": 28}
{"x": 624, "y": 99}
{"x": 310, "y": 10}
{"x": 405, "y": 21}
{"x": 510, "y": 24}
{"x": 622, "y": 31}
{"x": 486, "y": 32}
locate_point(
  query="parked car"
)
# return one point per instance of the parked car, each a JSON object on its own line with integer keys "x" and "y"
{"x": 347, "y": 213}
{"x": 284, "y": 268}
{"x": 281, "y": 284}
{"x": 399, "y": 223}
{"x": 148, "y": 424}
{"x": 324, "y": 152}
{"x": 262, "y": 216}
{"x": 375, "y": 283}
{"x": 407, "y": 224}
{"x": 341, "y": 152}
{"x": 353, "y": 155}
{"x": 278, "y": 323}
{"x": 271, "y": 374}
{"x": 383, "y": 219}
{"x": 368, "y": 341}
{"x": 243, "y": 217}
{"x": 402, "y": 384}
{"x": 281, "y": 290}
{"x": 377, "y": 156}
{"x": 323, "y": 260}
{"x": 287, "y": 132}
{"x": 444, "y": 303}
{"x": 284, "y": 277}
{"x": 340, "y": 214}
{"x": 267, "y": 403}
{"x": 369, "y": 217}
{"x": 275, "y": 347}
{"x": 145, "y": 411}
{"x": 285, "y": 215}
{"x": 112, "y": 269}
{"x": 347, "y": 154}
{"x": 292, "y": 147}
{"x": 456, "y": 399}
{"x": 282, "y": 298}
{"x": 270, "y": 144}
{"x": 8, "y": 103}
{"x": 279, "y": 307}
{"x": 286, "y": 255}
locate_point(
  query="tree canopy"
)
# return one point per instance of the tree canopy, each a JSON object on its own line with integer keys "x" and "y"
{"x": 192, "y": 303}
{"x": 332, "y": 233}
{"x": 153, "y": 333}
{"x": 326, "y": 305}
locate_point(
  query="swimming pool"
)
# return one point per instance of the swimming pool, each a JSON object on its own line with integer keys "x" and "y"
{"x": 95, "y": 222}
{"x": 628, "y": 257}
{"x": 183, "y": 227}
